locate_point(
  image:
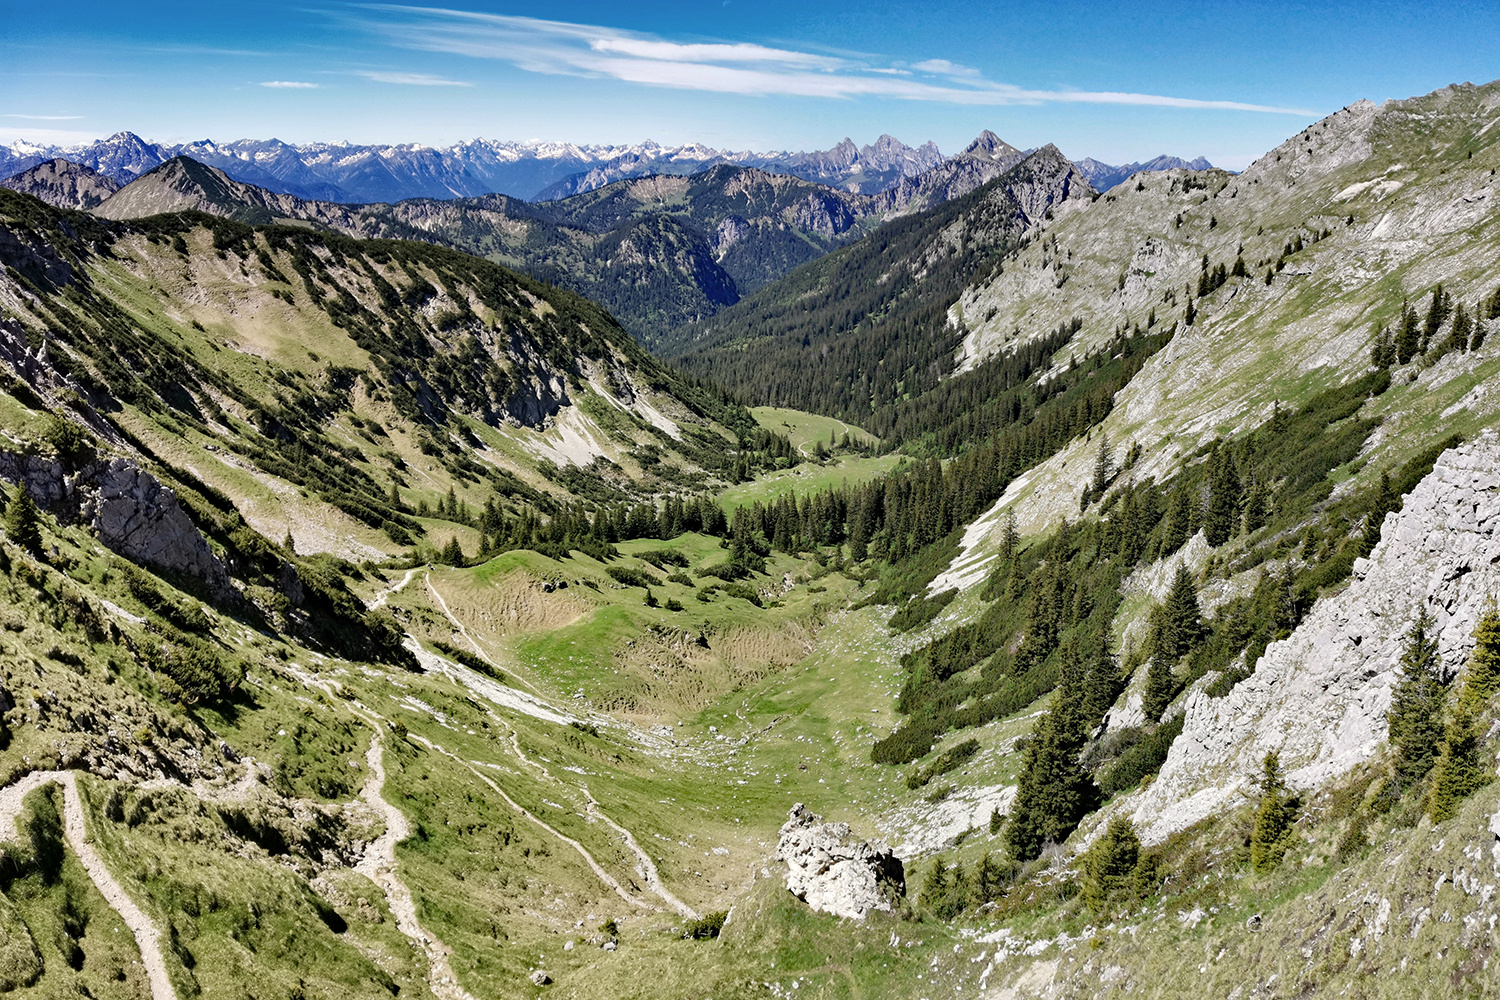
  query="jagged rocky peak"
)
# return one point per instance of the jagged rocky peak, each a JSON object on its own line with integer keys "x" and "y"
{"x": 990, "y": 146}
{"x": 64, "y": 184}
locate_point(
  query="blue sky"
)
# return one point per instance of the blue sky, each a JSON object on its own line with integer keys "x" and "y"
{"x": 1115, "y": 81}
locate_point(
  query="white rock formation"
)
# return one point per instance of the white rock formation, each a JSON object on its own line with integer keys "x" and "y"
{"x": 834, "y": 874}
{"x": 1319, "y": 697}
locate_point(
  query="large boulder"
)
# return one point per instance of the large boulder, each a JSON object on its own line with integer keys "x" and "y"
{"x": 833, "y": 873}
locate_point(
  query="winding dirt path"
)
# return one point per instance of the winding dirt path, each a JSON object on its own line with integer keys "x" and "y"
{"x": 395, "y": 588}
{"x": 645, "y": 867}
{"x": 583, "y": 852}
{"x": 379, "y": 866}
{"x": 146, "y": 937}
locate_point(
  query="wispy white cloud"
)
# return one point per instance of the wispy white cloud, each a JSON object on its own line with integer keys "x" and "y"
{"x": 411, "y": 79}
{"x": 942, "y": 67}
{"x": 289, "y": 84}
{"x": 563, "y": 48}
{"x": 44, "y": 118}
{"x": 44, "y": 136}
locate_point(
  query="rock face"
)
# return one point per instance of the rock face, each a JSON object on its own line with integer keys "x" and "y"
{"x": 833, "y": 874}
{"x": 1319, "y": 697}
{"x": 141, "y": 519}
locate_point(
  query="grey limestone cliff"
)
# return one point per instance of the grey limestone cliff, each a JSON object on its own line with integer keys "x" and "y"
{"x": 1320, "y": 696}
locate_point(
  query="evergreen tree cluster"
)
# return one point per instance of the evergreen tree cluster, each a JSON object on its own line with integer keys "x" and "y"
{"x": 1271, "y": 835}
{"x": 948, "y": 891}
{"x": 1416, "y": 335}
{"x": 1435, "y": 751}
{"x": 573, "y": 527}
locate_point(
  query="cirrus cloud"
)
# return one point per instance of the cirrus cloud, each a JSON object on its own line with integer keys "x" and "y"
{"x": 563, "y": 48}
{"x": 289, "y": 85}
{"x": 410, "y": 79}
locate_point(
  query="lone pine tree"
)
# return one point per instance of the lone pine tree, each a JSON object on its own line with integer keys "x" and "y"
{"x": 1054, "y": 790}
{"x": 1273, "y": 817}
{"x": 1109, "y": 866}
{"x": 23, "y": 523}
{"x": 1415, "y": 716}
{"x": 1459, "y": 772}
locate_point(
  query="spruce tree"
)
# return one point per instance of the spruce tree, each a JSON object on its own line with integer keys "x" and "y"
{"x": 1408, "y": 339}
{"x": 1224, "y": 501}
{"x": 1102, "y": 685}
{"x": 1257, "y": 508}
{"x": 1179, "y": 521}
{"x": 1383, "y": 352}
{"x": 1459, "y": 771}
{"x": 1482, "y": 678}
{"x": 1161, "y": 688}
{"x": 1177, "y": 626}
{"x": 1010, "y": 541}
{"x": 1054, "y": 790}
{"x": 989, "y": 880}
{"x": 1414, "y": 721}
{"x": 23, "y": 522}
{"x": 1104, "y": 468}
{"x": 1273, "y": 817}
{"x": 1109, "y": 866}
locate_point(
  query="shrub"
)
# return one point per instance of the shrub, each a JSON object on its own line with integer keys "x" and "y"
{"x": 1143, "y": 758}
{"x": 630, "y": 577}
{"x": 707, "y": 926}
{"x": 951, "y": 759}
{"x": 743, "y": 592}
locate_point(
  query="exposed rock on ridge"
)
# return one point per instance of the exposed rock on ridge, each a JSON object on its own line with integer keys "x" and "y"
{"x": 141, "y": 519}
{"x": 833, "y": 874}
{"x": 129, "y": 510}
{"x": 1319, "y": 698}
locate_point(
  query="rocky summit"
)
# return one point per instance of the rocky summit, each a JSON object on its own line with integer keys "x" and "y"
{"x": 852, "y": 573}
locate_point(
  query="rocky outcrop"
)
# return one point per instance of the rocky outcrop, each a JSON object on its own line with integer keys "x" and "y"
{"x": 141, "y": 519}
{"x": 1319, "y": 697}
{"x": 832, "y": 873}
{"x": 128, "y": 509}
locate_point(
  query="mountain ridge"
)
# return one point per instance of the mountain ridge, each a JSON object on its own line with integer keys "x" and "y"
{"x": 534, "y": 170}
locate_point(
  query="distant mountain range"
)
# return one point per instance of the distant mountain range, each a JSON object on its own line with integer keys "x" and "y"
{"x": 534, "y": 171}
{"x": 658, "y": 249}
{"x": 1105, "y": 176}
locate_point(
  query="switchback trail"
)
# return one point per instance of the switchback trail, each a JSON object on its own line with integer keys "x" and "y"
{"x": 479, "y": 650}
{"x": 146, "y": 937}
{"x": 395, "y": 588}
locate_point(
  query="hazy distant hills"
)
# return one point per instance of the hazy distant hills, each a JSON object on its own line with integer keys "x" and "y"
{"x": 360, "y": 174}
{"x": 1104, "y": 176}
